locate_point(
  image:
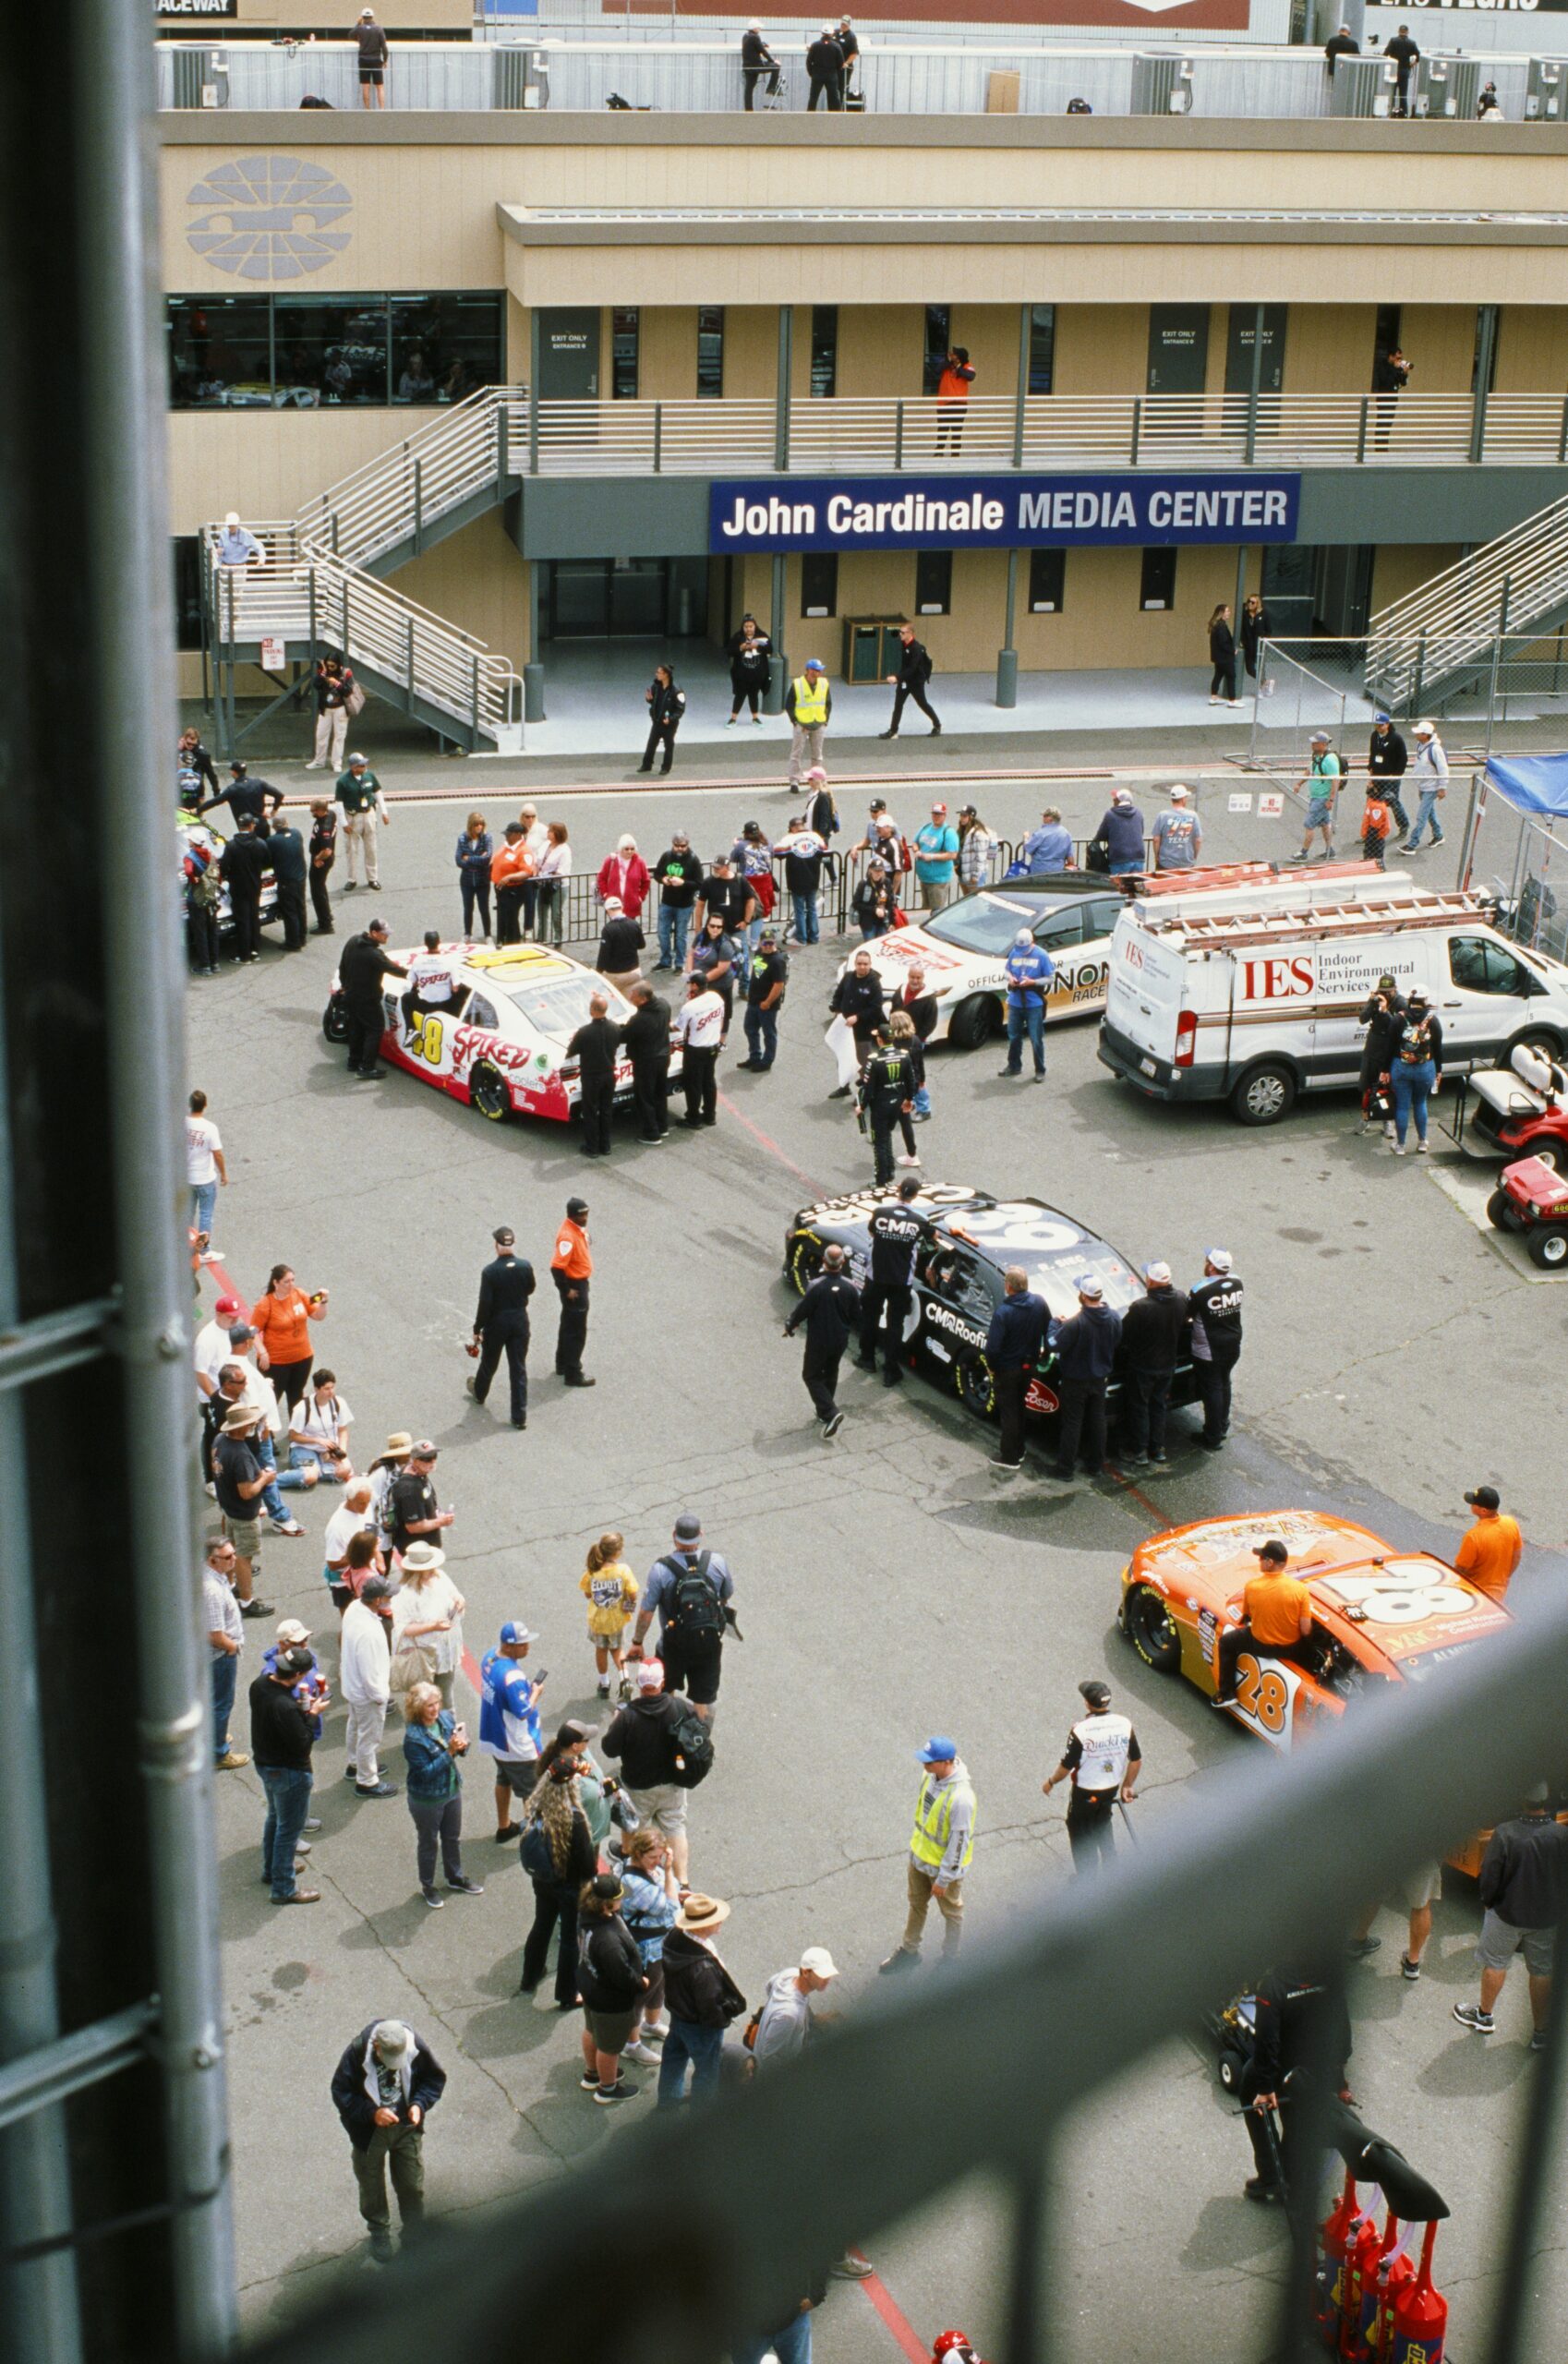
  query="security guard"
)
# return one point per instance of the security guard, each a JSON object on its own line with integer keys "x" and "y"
{"x": 940, "y": 1849}
{"x": 362, "y": 973}
{"x": 809, "y": 704}
{"x": 500, "y": 1325}
{"x": 570, "y": 1268}
{"x": 886, "y": 1091}
{"x": 1103, "y": 1762}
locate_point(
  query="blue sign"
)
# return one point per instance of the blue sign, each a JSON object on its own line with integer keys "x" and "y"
{"x": 1000, "y": 512}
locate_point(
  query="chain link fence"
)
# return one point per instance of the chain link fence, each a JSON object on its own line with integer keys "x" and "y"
{"x": 1510, "y": 694}
{"x": 1521, "y": 860}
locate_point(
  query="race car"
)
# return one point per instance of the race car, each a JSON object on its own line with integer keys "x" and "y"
{"x": 1379, "y": 1616}
{"x": 963, "y": 950}
{"x": 500, "y": 1044}
{"x": 213, "y": 841}
{"x": 958, "y": 1283}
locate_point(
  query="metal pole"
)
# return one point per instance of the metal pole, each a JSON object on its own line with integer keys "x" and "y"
{"x": 502, "y": 463}
{"x": 418, "y": 508}
{"x": 898, "y": 436}
{"x": 1497, "y": 659}
{"x": 1486, "y": 351}
{"x": 781, "y": 388}
{"x": 127, "y": 665}
{"x": 1137, "y": 424}
{"x": 1253, "y": 390}
{"x": 658, "y": 439}
{"x": 533, "y": 389}
{"x": 1361, "y": 430}
{"x": 534, "y": 670}
{"x": 1007, "y": 657}
{"x": 778, "y": 668}
{"x": 1240, "y": 600}
{"x": 1026, "y": 318}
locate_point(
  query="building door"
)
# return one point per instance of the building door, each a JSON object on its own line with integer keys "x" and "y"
{"x": 1240, "y": 340}
{"x": 1178, "y": 348}
{"x": 623, "y": 598}
{"x": 568, "y": 353}
{"x": 1344, "y": 590}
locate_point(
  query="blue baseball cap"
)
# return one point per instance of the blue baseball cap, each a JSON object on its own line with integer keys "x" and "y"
{"x": 515, "y": 1630}
{"x": 1382, "y": 717}
{"x": 816, "y": 665}
{"x": 938, "y": 1749}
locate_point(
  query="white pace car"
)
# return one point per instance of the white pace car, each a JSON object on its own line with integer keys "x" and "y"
{"x": 963, "y": 950}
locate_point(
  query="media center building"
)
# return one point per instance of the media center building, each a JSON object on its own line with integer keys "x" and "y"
{"x": 718, "y": 341}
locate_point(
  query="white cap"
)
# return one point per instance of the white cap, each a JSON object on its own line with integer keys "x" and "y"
{"x": 650, "y": 1674}
{"x": 1220, "y": 1258}
{"x": 1121, "y": 796}
{"x": 817, "y": 1960}
{"x": 1024, "y": 937}
{"x": 1158, "y": 1273}
{"x": 1426, "y": 730}
{"x": 614, "y": 903}
{"x": 233, "y": 517}
{"x": 1179, "y": 794}
{"x": 391, "y": 2039}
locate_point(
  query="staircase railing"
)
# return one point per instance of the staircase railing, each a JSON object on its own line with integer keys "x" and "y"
{"x": 392, "y": 498}
{"x": 1505, "y": 588}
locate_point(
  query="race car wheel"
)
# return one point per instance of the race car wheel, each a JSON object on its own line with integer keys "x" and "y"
{"x": 804, "y": 1262}
{"x": 334, "y": 1020}
{"x": 1497, "y": 1210}
{"x": 1548, "y": 1245}
{"x": 1151, "y": 1630}
{"x": 972, "y": 1021}
{"x": 1265, "y": 1093}
{"x": 977, "y": 1387}
{"x": 489, "y": 1095}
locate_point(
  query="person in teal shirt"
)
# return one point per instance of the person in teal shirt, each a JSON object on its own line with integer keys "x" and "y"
{"x": 936, "y": 853}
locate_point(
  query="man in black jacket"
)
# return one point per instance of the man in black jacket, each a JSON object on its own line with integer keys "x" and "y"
{"x": 360, "y": 972}
{"x": 323, "y": 853}
{"x": 1153, "y": 1328}
{"x": 701, "y": 1997}
{"x": 756, "y": 59}
{"x": 857, "y": 997}
{"x": 383, "y": 2089}
{"x": 281, "y": 1737}
{"x": 898, "y": 1236}
{"x": 1012, "y": 1348}
{"x": 647, "y": 1036}
{"x": 1086, "y": 1347}
{"x": 640, "y": 1735}
{"x": 595, "y": 1047}
{"x": 1301, "y": 2032}
{"x": 243, "y": 863}
{"x": 1405, "y": 53}
{"x": 243, "y": 794}
{"x": 1216, "y": 1341}
{"x": 1388, "y": 759}
{"x": 1381, "y": 1014}
{"x": 1524, "y": 1892}
{"x": 913, "y": 673}
{"x": 286, "y": 850}
{"x": 824, "y": 64}
{"x": 830, "y": 1309}
{"x": 1343, "y": 44}
{"x": 500, "y": 1325}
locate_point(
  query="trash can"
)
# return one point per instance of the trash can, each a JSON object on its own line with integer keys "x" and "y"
{"x": 871, "y": 647}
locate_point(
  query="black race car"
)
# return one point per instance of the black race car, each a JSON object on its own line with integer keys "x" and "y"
{"x": 958, "y": 1284}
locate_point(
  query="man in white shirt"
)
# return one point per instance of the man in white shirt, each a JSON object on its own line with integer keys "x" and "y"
{"x": 211, "y": 1349}
{"x": 225, "y": 1629}
{"x": 699, "y": 1029}
{"x": 353, "y": 1517}
{"x": 433, "y": 982}
{"x": 536, "y": 838}
{"x": 204, "y": 1166}
{"x": 236, "y": 544}
{"x": 364, "y": 1679}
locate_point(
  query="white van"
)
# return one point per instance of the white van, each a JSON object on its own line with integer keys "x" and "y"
{"x": 1252, "y": 995}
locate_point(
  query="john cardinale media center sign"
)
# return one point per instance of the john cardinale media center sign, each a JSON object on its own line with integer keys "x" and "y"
{"x": 1000, "y": 512}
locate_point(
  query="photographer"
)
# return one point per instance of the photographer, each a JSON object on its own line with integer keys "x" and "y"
{"x": 1382, "y": 1016}
{"x": 431, "y": 1747}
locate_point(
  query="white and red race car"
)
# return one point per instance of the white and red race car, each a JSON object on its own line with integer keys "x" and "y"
{"x": 500, "y": 1043}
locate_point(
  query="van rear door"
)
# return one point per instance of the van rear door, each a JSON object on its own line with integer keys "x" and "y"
{"x": 1144, "y": 1000}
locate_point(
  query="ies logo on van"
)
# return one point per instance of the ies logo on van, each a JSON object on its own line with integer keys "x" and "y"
{"x": 1276, "y": 980}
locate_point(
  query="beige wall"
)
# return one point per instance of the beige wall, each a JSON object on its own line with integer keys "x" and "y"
{"x": 266, "y": 463}
{"x": 1102, "y": 348}
{"x": 1532, "y": 351}
{"x": 1439, "y": 341}
{"x": 1400, "y": 569}
{"x": 1328, "y": 348}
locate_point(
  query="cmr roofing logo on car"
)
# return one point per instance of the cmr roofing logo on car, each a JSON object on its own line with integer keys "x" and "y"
{"x": 271, "y": 218}
{"x": 1002, "y": 512}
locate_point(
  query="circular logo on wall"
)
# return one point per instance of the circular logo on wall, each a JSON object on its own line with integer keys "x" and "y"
{"x": 269, "y": 217}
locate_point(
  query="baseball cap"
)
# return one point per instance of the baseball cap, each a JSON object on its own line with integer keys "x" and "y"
{"x": 938, "y": 1749}
{"x": 1094, "y": 1695}
{"x": 688, "y": 1526}
{"x": 1087, "y": 1285}
{"x": 227, "y": 1307}
{"x": 819, "y": 1961}
{"x": 614, "y": 903}
{"x": 291, "y": 1631}
{"x": 515, "y": 1630}
{"x": 389, "y": 2037}
{"x": 650, "y": 1675}
{"x": 292, "y": 1662}
{"x": 1273, "y": 1550}
{"x": 377, "y": 1588}
{"x": 1387, "y": 985}
{"x": 1220, "y": 1258}
{"x": 1158, "y": 1273}
{"x": 576, "y": 1207}
{"x": 909, "y": 1187}
{"x": 356, "y": 759}
{"x": 1121, "y": 796}
{"x": 816, "y": 665}
{"x": 1178, "y": 794}
{"x": 503, "y": 1235}
{"x": 769, "y": 934}
{"x": 1382, "y": 717}
{"x": 423, "y": 1451}
{"x": 1319, "y": 737}
{"x": 1484, "y": 1498}
{"x": 939, "y": 808}
{"x": 1426, "y": 730}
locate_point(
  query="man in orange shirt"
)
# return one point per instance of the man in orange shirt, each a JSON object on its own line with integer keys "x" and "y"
{"x": 1491, "y": 1549}
{"x": 1276, "y": 1617}
{"x": 952, "y": 393}
{"x": 511, "y": 867}
{"x": 570, "y": 1268}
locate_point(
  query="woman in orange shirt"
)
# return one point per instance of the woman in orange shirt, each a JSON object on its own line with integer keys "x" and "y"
{"x": 282, "y": 1320}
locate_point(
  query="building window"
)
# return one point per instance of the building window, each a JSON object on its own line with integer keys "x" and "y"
{"x": 710, "y": 351}
{"x": 186, "y": 549}
{"x": 819, "y": 583}
{"x": 938, "y": 340}
{"x": 1047, "y": 574}
{"x": 330, "y": 352}
{"x": 624, "y": 329}
{"x": 933, "y": 582}
{"x": 1041, "y": 347}
{"x": 824, "y": 350}
{"x": 1157, "y": 588}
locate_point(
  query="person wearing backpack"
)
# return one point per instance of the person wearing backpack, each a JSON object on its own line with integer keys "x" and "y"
{"x": 557, "y": 1852}
{"x": 691, "y": 1589}
{"x": 642, "y": 1735}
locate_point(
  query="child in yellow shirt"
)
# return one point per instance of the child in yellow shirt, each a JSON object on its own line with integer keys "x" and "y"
{"x": 611, "y": 1590}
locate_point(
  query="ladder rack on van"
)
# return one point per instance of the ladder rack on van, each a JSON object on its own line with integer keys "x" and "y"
{"x": 1241, "y": 929}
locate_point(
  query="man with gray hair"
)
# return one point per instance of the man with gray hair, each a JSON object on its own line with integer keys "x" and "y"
{"x": 384, "y": 2087}
{"x": 830, "y": 1309}
{"x": 1086, "y": 1352}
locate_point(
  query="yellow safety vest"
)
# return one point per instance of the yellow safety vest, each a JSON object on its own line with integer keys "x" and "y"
{"x": 934, "y": 1820}
{"x": 810, "y": 705}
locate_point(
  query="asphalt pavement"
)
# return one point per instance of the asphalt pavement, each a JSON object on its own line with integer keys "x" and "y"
{"x": 889, "y": 1584}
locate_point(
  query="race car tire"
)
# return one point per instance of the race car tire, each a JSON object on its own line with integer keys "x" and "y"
{"x": 1548, "y": 1245}
{"x": 977, "y": 1386}
{"x": 489, "y": 1095}
{"x": 1497, "y": 1210}
{"x": 1147, "y": 1623}
{"x": 804, "y": 1262}
{"x": 1264, "y": 1094}
{"x": 334, "y": 1020}
{"x": 974, "y": 1021}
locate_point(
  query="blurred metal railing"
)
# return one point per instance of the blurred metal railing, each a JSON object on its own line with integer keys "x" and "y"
{"x": 1448, "y": 628}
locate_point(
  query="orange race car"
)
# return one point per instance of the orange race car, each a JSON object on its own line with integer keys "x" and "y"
{"x": 1379, "y": 1616}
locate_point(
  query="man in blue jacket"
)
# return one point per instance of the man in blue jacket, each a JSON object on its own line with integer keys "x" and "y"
{"x": 1121, "y": 833}
{"x": 1086, "y": 1350}
{"x": 1012, "y": 1349}
{"x": 1030, "y": 973}
{"x": 383, "y": 2089}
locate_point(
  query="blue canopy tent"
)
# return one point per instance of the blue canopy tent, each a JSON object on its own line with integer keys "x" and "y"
{"x": 1531, "y": 783}
{"x": 1536, "y": 786}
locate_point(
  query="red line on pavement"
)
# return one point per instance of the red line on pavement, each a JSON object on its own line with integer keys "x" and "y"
{"x": 892, "y": 2314}
{"x": 1161, "y": 1518}
{"x": 769, "y": 1144}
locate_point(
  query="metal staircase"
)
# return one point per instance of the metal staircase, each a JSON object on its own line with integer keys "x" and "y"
{"x": 319, "y": 586}
{"x": 1428, "y": 648}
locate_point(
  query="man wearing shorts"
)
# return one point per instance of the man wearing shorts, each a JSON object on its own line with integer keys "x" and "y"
{"x": 1414, "y": 1895}
{"x": 639, "y": 1734}
{"x": 690, "y": 1587}
{"x": 1321, "y": 785}
{"x": 1524, "y": 1893}
{"x": 509, "y": 1722}
{"x": 372, "y": 42}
